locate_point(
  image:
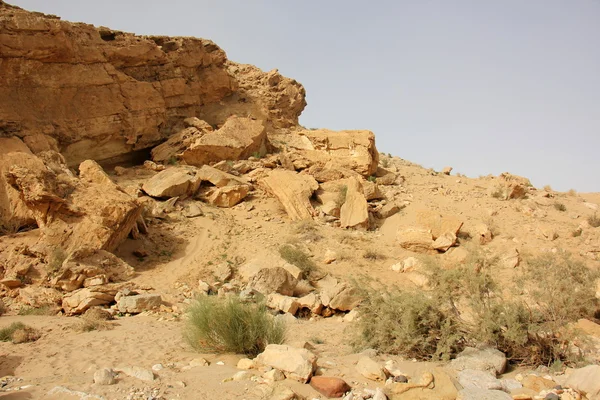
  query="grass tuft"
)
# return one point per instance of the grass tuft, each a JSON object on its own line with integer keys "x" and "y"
{"x": 298, "y": 258}
{"x": 18, "y": 332}
{"x": 594, "y": 220}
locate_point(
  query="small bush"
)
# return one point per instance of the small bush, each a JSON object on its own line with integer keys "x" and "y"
{"x": 560, "y": 207}
{"x": 46, "y": 309}
{"x": 372, "y": 178}
{"x": 308, "y": 231}
{"x": 172, "y": 160}
{"x": 298, "y": 258}
{"x": 498, "y": 193}
{"x": 57, "y": 257}
{"x": 572, "y": 192}
{"x": 385, "y": 162}
{"x": 95, "y": 319}
{"x": 227, "y": 325}
{"x": 594, "y": 220}
{"x": 373, "y": 255}
{"x": 17, "y": 332}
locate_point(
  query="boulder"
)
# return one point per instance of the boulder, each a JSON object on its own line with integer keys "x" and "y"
{"x": 447, "y": 170}
{"x": 273, "y": 280}
{"x": 105, "y": 376}
{"x": 219, "y": 178}
{"x": 537, "y": 383}
{"x": 387, "y": 210}
{"x": 140, "y": 373}
{"x": 330, "y": 387}
{"x": 354, "y": 213}
{"x": 473, "y": 379}
{"x": 486, "y": 359}
{"x": 139, "y": 303}
{"x": 339, "y": 295}
{"x": 311, "y": 301}
{"x": 80, "y": 300}
{"x": 510, "y": 258}
{"x": 283, "y": 303}
{"x": 297, "y": 364}
{"x": 371, "y": 190}
{"x": 444, "y": 241}
{"x": 438, "y": 224}
{"x": 418, "y": 240}
{"x": 370, "y": 369}
{"x": 293, "y": 192}
{"x": 586, "y": 380}
{"x": 173, "y": 182}
{"x": 228, "y": 196}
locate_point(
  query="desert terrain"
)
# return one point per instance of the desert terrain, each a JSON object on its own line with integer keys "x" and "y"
{"x": 139, "y": 174}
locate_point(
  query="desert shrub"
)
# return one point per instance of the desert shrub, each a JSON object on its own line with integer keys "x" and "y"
{"x": 343, "y": 192}
{"x": 229, "y": 325}
{"x": 9, "y": 227}
{"x": 46, "y": 309}
{"x": 385, "y": 162}
{"x": 372, "y": 178}
{"x": 308, "y": 231}
{"x": 498, "y": 193}
{"x": 467, "y": 307}
{"x": 95, "y": 319}
{"x": 298, "y": 258}
{"x": 572, "y": 192}
{"x": 560, "y": 207}
{"x": 57, "y": 257}
{"x": 17, "y": 332}
{"x": 373, "y": 255}
{"x": 594, "y": 220}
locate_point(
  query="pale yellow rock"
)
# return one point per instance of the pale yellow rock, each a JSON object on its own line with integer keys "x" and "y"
{"x": 293, "y": 192}
{"x": 354, "y": 212}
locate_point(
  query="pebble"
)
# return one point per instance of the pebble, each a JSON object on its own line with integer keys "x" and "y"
{"x": 157, "y": 367}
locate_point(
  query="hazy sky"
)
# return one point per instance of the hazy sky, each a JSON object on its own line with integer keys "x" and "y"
{"x": 483, "y": 86}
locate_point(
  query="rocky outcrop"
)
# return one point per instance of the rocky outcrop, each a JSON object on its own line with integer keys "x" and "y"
{"x": 102, "y": 93}
{"x": 293, "y": 191}
{"x": 173, "y": 182}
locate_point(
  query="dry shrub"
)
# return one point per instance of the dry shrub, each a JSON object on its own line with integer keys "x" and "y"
{"x": 594, "y": 220}
{"x": 560, "y": 207}
{"x": 466, "y": 307}
{"x": 373, "y": 255}
{"x": 297, "y": 257}
{"x": 17, "y": 332}
{"x": 227, "y": 325}
{"x": 46, "y": 309}
{"x": 95, "y": 319}
{"x": 307, "y": 230}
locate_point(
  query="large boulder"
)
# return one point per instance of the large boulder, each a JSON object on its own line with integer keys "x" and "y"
{"x": 273, "y": 280}
{"x": 329, "y": 386}
{"x": 338, "y": 295}
{"x": 297, "y": 364}
{"x": 80, "y": 300}
{"x": 293, "y": 191}
{"x": 437, "y": 223}
{"x": 139, "y": 303}
{"x": 418, "y": 240}
{"x": 173, "y": 182}
{"x": 354, "y": 213}
{"x": 486, "y": 359}
{"x": 228, "y": 196}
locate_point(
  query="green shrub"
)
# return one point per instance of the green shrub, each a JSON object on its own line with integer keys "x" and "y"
{"x": 298, "y": 258}
{"x": 227, "y": 325}
{"x": 372, "y": 178}
{"x": 594, "y": 220}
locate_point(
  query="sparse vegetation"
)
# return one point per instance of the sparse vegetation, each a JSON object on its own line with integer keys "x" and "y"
{"x": 57, "y": 257}
{"x": 385, "y": 162}
{"x": 172, "y": 160}
{"x": 46, "y": 309}
{"x": 297, "y": 257}
{"x": 342, "y": 195}
{"x": 560, "y": 207}
{"x": 95, "y": 319}
{"x": 308, "y": 231}
{"x": 572, "y": 192}
{"x": 467, "y": 307}
{"x": 373, "y": 255}
{"x": 594, "y": 220}
{"x": 257, "y": 155}
{"x": 498, "y": 193}
{"x": 9, "y": 227}
{"x": 372, "y": 178}
{"x": 228, "y": 325}
{"x": 17, "y": 332}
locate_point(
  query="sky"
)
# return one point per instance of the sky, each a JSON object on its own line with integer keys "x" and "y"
{"x": 483, "y": 86}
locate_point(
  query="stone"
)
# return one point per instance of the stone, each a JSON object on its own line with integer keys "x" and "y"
{"x": 282, "y": 303}
{"x": 273, "y": 280}
{"x": 330, "y": 387}
{"x": 11, "y": 283}
{"x": 508, "y": 385}
{"x": 81, "y": 300}
{"x": 510, "y": 258}
{"x": 242, "y": 376}
{"x": 438, "y": 224}
{"x": 370, "y": 369}
{"x": 275, "y": 392}
{"x": 274, "y": 375}
{"x": 447, "y": 170}
{"x": 137, "y": 372}
{"x": 270, "y": 260}
{"x": 474, "y": 379}
{"x": 482, "y": 394}
{"x": 387, "y": 210}
{"x": 293, "y": 192}
{"x": 139, "y": 303}
{"x": 371, "y": 190}
{"x": 410, "y": 264}
{"x": 297, "y": 364}
{"x": 178, "y": 181}
{"x": 223, "y": 272}
{"x": 219, "y": 178}
{"x": 199, "y": 362}
{"x": 330, "y": 256}
{"x": 245, "y": 363}
{"x": 417, "y": 240}
{"x": 483, "y": 233}
{"x": 311, "y": 301}
{"x": 331, "y": 208}
{"x": 39, "y": 296}
{"x": 340, "y": 296}
{"x": 444, "y": 241}
{"x": 192, "y": 210}
{"x": 104, "y": 376}
{"x": 537, "y": 383}
{"x": 354, "y": 212}
{"x": 486, "y": 359}
{"x": 228, "y": 196}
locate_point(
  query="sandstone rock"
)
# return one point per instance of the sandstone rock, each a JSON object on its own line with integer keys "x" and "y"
{"x": 487, "y": 359}
{"x": 173, "y": 182}
{"x": 274, "y": 375}
{"x": 415, "y": 239}
{"x": 297, "y": 364}
{"x": 273, "y": 280}
{"x": 371, "y": 190}
{"x": 330, "y": 387}
{"x": 311, "y": 301}
{"x": 455, "y": 256}
{"x": 510, "y": 258}
{"x": 173, "y": 148}
{"x": 447, "y": 170}
{"x": 39, "y": 296}
{"x": 242, "y": 376}
{"x": 411, "y": 264}
{"x": 473, "y": 379}
{"x": 370, "y": 369}
{"x": 104, "y": 376}
{"x": 228, "y": 196}
{"x": 444, "y": 241}
{"x": 282, "y": 303}
{"x": 483, "y": 394}
{"x": 275, "y": 392}
{"x": 223, "y": 272}
{"x": 437, "y": 223}
{"x": 137, "y": 372}
{"x": 484, "y": 233}
{"x": 354, "y": 212}
{"x": 139, "y": 303}
{"x": 330, "y": 256}
{"x": 245, "y": 363}
{"x": 219, "y": 178}
{"x": 387, "y": 210}
{"x": 81, "y": 299}
{"x": 340, "y": 296}
{"x": 247, "y": 270}
{"x": 331, "y": 208}
{"x": 537, "y": 383}
{"x": 293, "y": 192}
{"x": 586, "y": 380}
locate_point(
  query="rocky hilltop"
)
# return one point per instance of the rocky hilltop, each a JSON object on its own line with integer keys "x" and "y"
{"x": 139, "y": 174}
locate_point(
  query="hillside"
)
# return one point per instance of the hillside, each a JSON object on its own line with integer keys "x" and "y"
{"x": 138, "y": 173}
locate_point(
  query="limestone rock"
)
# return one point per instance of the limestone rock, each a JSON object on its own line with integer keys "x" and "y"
{"x": 283, "y": 303}
{"x": 438, "y": 224}
{"x": 370, "y": 369}
{"x": 247, "y": 270}
{"x": 473, "y": 379}
{"x": 137, "y": 372}
{"x": 330, "y": 387}
{"x": 487, "y": 359}
{"x": 444, "y": 241}
{"x": 273, "y": 280}
{"x": 293, "y": 192}
{"x": 418, "y": 240}
{"x": 387, "y": 210}
{"x": 104, "y": 376}
{"x": 245, "y": 363}
{"x": 139, "y": 303}
{"x": 311, "y": 301}
{"x": 219, "y": 178}
{"x": 296, "y": 364}
{"x": 173, "y": 182}
{"x": 354, "y": 212}
{"x": 228, "y": 196}
{"x": 371, "y": 190}
{"x": 340, "y": 296}
{"x": 586, "y": 380}
{"x": 80, "y": 300}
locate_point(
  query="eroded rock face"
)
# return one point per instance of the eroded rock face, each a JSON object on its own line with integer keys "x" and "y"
{"x": 293, "y": 191}
{"x": 102, "y": 93}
